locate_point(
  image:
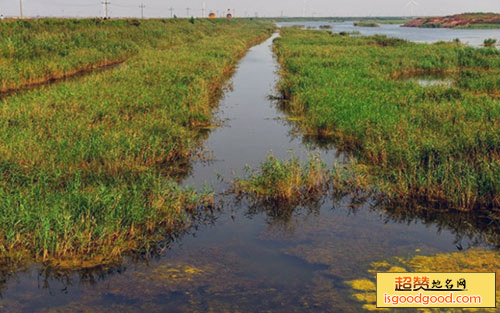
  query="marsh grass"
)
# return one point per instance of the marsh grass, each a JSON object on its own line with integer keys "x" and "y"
{"x": 284, "y": 183}
{"x": 40, "y": 50}
{"x": 437, "y": 144}
{"x": 88, "y": 166}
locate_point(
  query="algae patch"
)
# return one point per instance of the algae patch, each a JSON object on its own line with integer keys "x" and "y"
{"x": 468, "y": 261}
{"x": 362, "y": 284}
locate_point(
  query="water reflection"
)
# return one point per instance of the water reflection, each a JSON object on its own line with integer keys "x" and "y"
{"x": 473, "y": 37}
{"x": 253, "y": 256}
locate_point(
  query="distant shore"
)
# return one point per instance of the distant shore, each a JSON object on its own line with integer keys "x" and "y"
{"x": 466, "y": 20}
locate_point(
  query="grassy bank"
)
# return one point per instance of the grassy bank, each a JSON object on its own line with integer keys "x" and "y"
{"x": 39, "y": 50}
{"x": 437, "y": 144}
{"x": 87, "y": 165}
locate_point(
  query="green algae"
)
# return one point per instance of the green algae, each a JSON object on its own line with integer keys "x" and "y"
{"x": 362, "y": 285}
{"x": 468, "y": 261}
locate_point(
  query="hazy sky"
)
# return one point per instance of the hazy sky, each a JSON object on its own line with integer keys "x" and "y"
{"x": 157, "y": 8}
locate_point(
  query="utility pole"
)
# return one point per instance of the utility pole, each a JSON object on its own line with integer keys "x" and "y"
{"x": 105, "y": 3}
{"x": 171, "y": 12}
{"x": 21, "y": 8}
{"x": 142, "y": 6}
{"x": 203, "y": 10}
{"x": 187, "y": 12}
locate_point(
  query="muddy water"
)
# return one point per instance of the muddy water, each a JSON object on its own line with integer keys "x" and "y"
{"x": 251, "y": 259}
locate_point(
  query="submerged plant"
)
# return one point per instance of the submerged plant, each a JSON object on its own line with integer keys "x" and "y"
{"x": 476, "y": 261}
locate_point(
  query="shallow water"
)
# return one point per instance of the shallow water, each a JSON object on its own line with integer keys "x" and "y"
{"x": 431, "y": 80}
{"x": 428, "y": 82}
{"x": 474, "y": 37}
{"x": 251, "y": 259}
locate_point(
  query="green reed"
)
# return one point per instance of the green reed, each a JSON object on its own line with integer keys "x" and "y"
{"x": 439, "y": 144}
{"x": 88, "y": 165}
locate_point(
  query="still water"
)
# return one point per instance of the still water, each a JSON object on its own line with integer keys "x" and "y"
{"x": 248, "y": 258}
{"x": 473, "y": 37}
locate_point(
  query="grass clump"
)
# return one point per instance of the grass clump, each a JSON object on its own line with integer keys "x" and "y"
{"x": 439, "y": 145}
{"x": 490, "y": 42}
{"x": 88, "y": 166}
{"x": 288, "y": 182}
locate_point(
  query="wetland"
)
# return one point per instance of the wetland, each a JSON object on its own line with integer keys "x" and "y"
{"x": 245, "y": 196}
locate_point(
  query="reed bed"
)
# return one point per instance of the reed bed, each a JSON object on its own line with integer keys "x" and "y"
{"x": 438, "y": 144}
{"x": 88, "y": 165}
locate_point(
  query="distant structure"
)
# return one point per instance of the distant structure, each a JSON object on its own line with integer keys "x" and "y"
{"x": 105, "y": 4}
{"x": 212, "y": 15}
{"x": 412, "y": 4}
{"x": 229, "y": 14}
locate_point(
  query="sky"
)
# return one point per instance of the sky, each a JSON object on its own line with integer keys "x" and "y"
{"x": 160, "y": 8}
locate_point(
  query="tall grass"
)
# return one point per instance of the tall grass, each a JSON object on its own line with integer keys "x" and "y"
{"x": 284, "y": 182}
{"x": 87, "y": 166}
{"x": 439, "y": 144}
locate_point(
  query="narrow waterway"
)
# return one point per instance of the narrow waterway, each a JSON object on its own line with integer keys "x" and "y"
{"x": 250, "y": 259}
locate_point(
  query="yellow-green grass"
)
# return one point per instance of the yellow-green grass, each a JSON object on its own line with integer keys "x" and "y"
{"x": 284, "y": 183}
{"x": 437, "y": 144}
{"x": 40, "y": 50}
{"x": 87, "y": 166}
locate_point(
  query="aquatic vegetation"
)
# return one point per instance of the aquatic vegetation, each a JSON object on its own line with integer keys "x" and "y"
{"x": 366, "y": 24}
{"x": 279, "y": 181}
{"x": 439, "y": 145}
{"x": 222, "y": 282}
{"x": 349, "y": 33}
{"x": 490, "y": 42}
{"x": 362, "y": 285}
{"x": 466, "y": 261}
{"x": 89, "y": 166}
